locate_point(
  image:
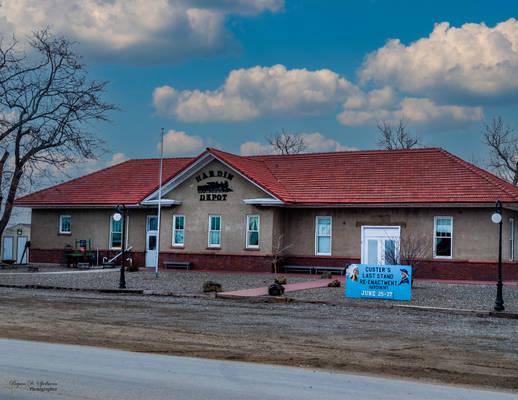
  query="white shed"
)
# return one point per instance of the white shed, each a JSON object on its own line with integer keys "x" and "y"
{"x": 15, "y": 239}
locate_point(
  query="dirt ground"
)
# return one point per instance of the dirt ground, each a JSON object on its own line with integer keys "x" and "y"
{"x": 430, "y": 346}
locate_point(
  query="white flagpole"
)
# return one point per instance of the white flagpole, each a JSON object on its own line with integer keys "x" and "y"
{"x": 159, "y": 199}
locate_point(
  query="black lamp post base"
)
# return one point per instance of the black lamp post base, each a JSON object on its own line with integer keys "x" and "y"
{"x": 499, "y": 302}
{"x": 122, "y": 281}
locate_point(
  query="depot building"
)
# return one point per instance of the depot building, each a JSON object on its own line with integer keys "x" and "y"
{"x": 222, "y": 211}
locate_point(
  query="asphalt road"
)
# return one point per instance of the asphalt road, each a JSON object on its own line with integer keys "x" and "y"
{"x": 34, "y": 370}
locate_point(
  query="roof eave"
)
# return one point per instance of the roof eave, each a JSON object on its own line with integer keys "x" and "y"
{"x": 508, "y": 205}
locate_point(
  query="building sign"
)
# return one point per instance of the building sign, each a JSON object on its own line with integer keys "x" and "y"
{"x": 391, "y": 282}
{"x": 216, "y": 190}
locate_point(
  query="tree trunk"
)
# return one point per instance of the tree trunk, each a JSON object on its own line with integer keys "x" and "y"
{"x": 8, "y": 208}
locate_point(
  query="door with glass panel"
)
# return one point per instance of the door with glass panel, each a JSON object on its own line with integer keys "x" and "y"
{"x": 380, "y": 245}
{"x": 151, "y": 240}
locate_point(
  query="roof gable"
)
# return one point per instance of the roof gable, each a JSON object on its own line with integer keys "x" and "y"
{"x": 201, "y": 162}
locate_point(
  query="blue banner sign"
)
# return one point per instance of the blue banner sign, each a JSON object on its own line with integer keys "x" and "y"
{"x": 391, "y": 282}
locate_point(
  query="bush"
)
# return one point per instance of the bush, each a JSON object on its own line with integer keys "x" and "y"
{"x": 211, "y": 286}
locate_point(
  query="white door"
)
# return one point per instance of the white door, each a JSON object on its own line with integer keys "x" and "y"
{"x": 20, "y": 246}
{"x": 151, "y": 240}
{"x": 7, "y": 247}
{"x": 380, "y": 244}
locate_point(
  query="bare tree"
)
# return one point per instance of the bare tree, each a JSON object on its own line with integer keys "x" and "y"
{"x": 396, "y": 137}
{"x": 503, "y": 149}
{"x": 47, "y": 105}
{"x": 278, "y": 251}
{"x": 286, "y": 142}
{"x": 412, "y": 250}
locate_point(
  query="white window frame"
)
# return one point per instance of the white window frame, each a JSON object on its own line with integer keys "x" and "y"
{"x": 318, "y": 217}
{"x": 511, "y": 239}
{"x": 435, "y": 237}
{"x": 61, "y": 224}
{"x": 111, "y": 247}
{"x": 248, "y": 245}
{"x": 209, "y": 230}
{"x": 175, "y": 216}
{"x": 381, "y": 234}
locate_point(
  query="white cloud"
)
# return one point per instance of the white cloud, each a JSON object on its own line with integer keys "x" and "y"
{"x": 117, "y": 158}
{"x": 258, "y": 91}
{"x": 256, "y": 148}
{"x": 383, "y": 104}
{"x": 470, "y": 64}
{"x": 139, "y": 30}
{"x": 424, "y": 110}
{"x": 89, "y": 166}
{"x": 315, "y": 142}
{"x": 51, "y": 174}
{"x": 178, "y": 142}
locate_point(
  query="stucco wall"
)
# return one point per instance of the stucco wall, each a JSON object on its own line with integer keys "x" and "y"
{"x": 233, "y": 213}
{"x": 93, "y": 224}
{"x": 475, "y": 237}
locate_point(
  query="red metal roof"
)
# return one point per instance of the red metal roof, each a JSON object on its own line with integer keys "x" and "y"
{"x": 354, "y": 177}
{"x": 128, "y": 183}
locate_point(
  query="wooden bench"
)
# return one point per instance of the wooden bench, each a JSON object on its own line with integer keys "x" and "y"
{"x": 177, "y": 264}
{"x": 304, "y": 268}
{"x": 331, "y": 269}
{"x": 313, "y": 268}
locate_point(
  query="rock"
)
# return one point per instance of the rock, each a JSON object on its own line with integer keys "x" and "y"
{"x": 326, "y": 275}
{"x": 276, "y": 290}
{"x": 335, "y": 283}
{"x": 281, "y": 280}
{"x": 211, "y": 286}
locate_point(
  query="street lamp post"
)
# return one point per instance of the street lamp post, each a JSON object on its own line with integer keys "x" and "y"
{"x": 497, "y": 219}
{"x": 121, "y": 214}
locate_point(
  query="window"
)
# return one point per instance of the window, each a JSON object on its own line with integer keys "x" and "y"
{"x": 178, "y": 230}
{"x": 323, "y": 236}
{"x": 214, "y": 230}
{"x": 380, "y": 245}
{"x": 443, "y": 229}
{"x": 511, "y": 239}
{"x": 64, "y": 224}
{"x": 252, "y": 231}
{"x": 115, "y": 233}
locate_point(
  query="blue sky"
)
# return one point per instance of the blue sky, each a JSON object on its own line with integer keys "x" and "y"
{"x": 228, "y": 73}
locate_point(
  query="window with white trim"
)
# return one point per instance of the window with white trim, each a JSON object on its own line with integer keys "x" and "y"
{"x": 65, "y": 223}
{"x": 115, "y": 233}
{"x": 323, "y": 236}
{"x": 214, "y": 230}
{"x": 511, "y": 239}
{"x": 252, "y": 231}
{"x": 443, "y": 237}
{"x": 178, "y": 230}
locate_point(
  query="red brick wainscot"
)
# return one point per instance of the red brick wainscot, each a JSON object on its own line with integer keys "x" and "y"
{"x": 57, "y": 256}
{"x": 221, "y": 262}
{"x": 465, "y": 270}
{"x": 427, "y": 269}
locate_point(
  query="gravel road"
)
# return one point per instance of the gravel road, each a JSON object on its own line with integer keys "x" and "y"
{"x": 458, "y": 296}
{"x": 430, "y": 346}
